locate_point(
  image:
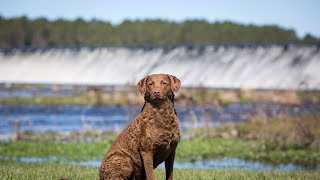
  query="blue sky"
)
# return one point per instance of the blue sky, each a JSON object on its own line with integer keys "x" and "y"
{"x": 301, "y": 15}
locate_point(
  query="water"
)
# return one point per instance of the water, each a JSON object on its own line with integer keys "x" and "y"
{"x": 219, "y": 163}
{"x": 40, "y": 118}
{"x": 220, "y": 66}
{"x": 39, "y": 91}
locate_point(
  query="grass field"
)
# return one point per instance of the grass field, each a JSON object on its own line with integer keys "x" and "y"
{"x": 33, "y": 171}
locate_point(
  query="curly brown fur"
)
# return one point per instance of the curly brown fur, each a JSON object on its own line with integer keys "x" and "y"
{"x": 151, "y": 138}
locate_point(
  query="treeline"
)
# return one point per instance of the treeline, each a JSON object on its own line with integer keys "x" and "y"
{"x": 17, "y": 32}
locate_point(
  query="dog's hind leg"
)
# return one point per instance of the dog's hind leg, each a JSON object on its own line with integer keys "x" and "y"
{"x": 117, "y": 167}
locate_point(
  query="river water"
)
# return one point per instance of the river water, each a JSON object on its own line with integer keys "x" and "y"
{"x": 41, "y": 118}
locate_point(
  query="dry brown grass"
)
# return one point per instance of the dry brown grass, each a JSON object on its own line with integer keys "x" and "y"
{"x": 284, "y": 132}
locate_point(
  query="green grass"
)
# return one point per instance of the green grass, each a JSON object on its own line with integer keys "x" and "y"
{"x": 188, "y": 150}
{"x": 71, "y": 150}
{"x": 33, "y": 171}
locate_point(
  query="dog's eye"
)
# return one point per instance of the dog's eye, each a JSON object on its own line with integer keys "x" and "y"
{"x": 150, "y": 84}
{"x": 164, "y": 82}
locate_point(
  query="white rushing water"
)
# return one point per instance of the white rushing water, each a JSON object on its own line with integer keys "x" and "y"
{"x": 270, "y": 66}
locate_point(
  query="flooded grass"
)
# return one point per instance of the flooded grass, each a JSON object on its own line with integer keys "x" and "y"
{"x": 219, "y": 163}
{"x": 192, "y": 149}
{"x": 27, "y": 171}
{"x": 207, "y": 148}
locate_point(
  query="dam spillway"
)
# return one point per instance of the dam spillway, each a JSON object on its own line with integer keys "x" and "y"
{"x": 216, "y": 66}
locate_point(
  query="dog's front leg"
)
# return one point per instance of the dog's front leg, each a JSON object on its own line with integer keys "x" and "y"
{"x": 148, "y": 164}
{"x": 169, "y": 165}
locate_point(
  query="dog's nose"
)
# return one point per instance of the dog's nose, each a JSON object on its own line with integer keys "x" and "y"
{"x": 157, "y": 91}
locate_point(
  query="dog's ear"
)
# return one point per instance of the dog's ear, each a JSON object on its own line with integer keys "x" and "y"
{"x": 142, "y": 85}
{"x": 175, "y": 83}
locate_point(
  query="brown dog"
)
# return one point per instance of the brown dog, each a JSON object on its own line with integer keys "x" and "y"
{"x": 151, "y": 138}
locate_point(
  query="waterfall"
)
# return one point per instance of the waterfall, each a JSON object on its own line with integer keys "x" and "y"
{"x": 217, "y": 66}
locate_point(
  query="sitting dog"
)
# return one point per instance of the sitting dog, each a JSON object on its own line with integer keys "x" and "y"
{"x": 151, "y": 138}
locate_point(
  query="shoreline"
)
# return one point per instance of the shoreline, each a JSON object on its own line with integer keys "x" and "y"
{"x": 112, "y": 95}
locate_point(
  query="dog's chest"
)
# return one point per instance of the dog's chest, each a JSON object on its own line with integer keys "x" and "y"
{"x": 165, "y": 137}
{"x": 163, "y": 143}
{"x": 163, "y": 133}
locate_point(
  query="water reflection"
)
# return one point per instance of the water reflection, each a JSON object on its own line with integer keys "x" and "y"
{"x": 220, "y": 163}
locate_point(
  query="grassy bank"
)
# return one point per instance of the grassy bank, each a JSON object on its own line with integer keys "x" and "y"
{"x": 188, "y": 150}
{"x": 30, "y": 171}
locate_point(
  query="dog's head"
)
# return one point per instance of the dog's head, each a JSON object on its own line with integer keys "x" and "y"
{"x": 158, "y": 87}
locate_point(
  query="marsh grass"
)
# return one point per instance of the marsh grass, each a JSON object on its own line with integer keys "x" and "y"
{"x": 202, "y": 95}
{"x": 284, "y": 132}
{"x": 284, "y": 138}
{"x": 33, "y": 171}
{"x": 188, "y": 150}
{"x": 85, "y": 98}
{"x": 208, "y": 148}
